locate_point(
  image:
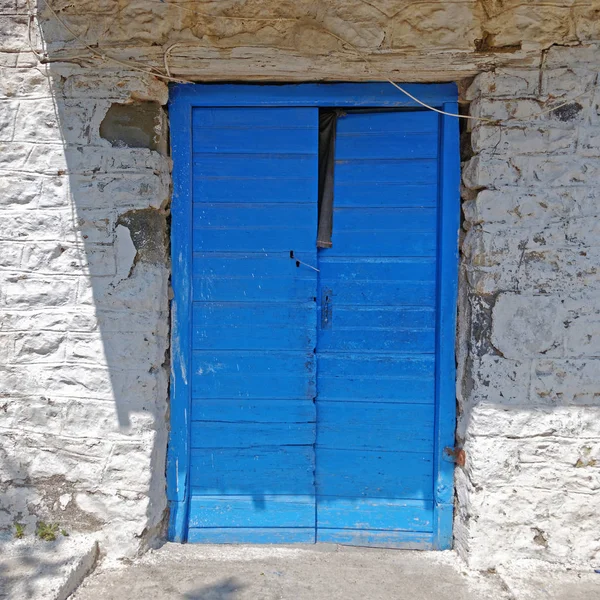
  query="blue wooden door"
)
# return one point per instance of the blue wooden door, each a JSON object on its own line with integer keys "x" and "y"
{"x": 376, "y": 341}
{"x": 312, "y": 392}
{"x": 253, "y": 336}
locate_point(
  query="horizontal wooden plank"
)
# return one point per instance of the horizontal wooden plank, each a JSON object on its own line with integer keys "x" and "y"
{"x": 240, "y": 169}
{"x": 386, "y": 221}
{"x": 376, "y": 426}
{"x": 206, "y": 434}
{"x": 349, "y": 171}
{"x": 254, "y": 227}
{"x": 348, "y": 269}
{"x": 349, "y": 95}
{"x": 363, "y": 281}
{"x": 363, "y": 339}
{"x": 367, "y": 474}
{"x": 256, "y": 535}
{"x": 250, "y": 118}
{"x": 253, "y": 411}
{"x": 248, "y": 511}
{"x": 369, "y": 243}
{"x": 384, "y": 145}
{"x": 380, "y": 378}
{"x": 390, "y": 123}
{"x": 374, "y": 513}
{"x": 254, "y": 471}
{"x": 401, "y": 540}
{"x": 254, "y": 140}
{"x": 253, "y": 374}
{"x": 254, "y": 326}
{"x": 390, "y": 193}
{"x": 254, "y": 277}
{"x": 361, "y": 328}
{"x": 301, "y": 188}
{"x": 356, "y": 328}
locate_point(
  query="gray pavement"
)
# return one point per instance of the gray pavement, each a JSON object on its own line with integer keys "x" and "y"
{"x": 177, "y": 572}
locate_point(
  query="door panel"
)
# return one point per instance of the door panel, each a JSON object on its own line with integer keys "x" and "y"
{"x": 377, "y": 335}
{"x": 253, "y": 330}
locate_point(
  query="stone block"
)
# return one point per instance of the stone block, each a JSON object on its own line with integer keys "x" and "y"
{"x": 528, "y": 326}
{"x": 25, "y": 291}
{"x": 505, "y": 83}
{"x": 567, "y": 382}
{"x": 523, "y": 140}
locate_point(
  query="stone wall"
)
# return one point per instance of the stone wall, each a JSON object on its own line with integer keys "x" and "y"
{"x": 529, "y": 378}
{"x": 84, "y": 261}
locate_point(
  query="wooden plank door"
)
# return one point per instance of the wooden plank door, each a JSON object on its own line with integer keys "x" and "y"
{"x": 376, "y": 392}
{"x": 253, "y": 330}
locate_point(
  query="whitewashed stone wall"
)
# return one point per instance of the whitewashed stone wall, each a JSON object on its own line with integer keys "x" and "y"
{"x": 529, "y": 381}
{"x": 84, "y": 268}
{"x": 84, "y": 319}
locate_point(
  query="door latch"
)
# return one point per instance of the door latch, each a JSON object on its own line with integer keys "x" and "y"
{"x": 326, "y": 309}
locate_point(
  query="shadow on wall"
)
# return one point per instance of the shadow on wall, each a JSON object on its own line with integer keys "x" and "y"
{"x": 86, "y": 304}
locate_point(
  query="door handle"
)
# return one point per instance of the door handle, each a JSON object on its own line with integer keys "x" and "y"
{"x": 326, "y": 309}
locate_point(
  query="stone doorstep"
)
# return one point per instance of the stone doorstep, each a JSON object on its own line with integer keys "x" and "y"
{"x": 32, "y": 569}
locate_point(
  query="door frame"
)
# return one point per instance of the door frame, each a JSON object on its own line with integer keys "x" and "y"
{"x": 185, "y": 97}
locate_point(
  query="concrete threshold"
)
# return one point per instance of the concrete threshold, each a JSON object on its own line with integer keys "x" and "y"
{"x": 321, "y": 572}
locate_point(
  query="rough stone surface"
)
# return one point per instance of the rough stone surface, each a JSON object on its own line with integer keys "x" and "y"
{"x": 84, "y": 251}
{"x": 33, "y": 569}
{"x": 528, "y": 321}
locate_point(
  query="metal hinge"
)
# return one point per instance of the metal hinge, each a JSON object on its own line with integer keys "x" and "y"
{"x": 456, "y": 455}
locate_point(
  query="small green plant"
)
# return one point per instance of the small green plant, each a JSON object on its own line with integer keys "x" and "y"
{"x": 46, "y": 531}
{"x": 19, "y": 530}
{"x": 64, "y": 532}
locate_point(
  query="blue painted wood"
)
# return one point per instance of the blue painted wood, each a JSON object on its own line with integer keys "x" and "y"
{"x": 253, "y": 411}
{"x": 251, "y": 435}
{"x": 254, "y": 228}
{"x": 388, "y": 194}
{"x": 253, "y": 322}
{"x": 400, "y": 540}
{"x": 375, "y": 444}
{"x": 253, "y": 374}
{"x": 254, "y": 325}
{"x": 314, "y": 94}
{"x": 252, "y": 535}
{"x": 401, "y": 378}
{"x": 449, "y": 216}
{"x": 375, "y": 513}
{"x": 253, "y": 471}
{"x": 178, "y": 454}
{"x": 376, "y": 426}
{"x": 254, "y": 277}
{"x": 246, "y": 511}
{"x": 355, "y": 473}
{"x": 397, "y": 358}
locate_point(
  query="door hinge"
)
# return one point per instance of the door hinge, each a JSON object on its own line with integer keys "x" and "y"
{"x": 456, "y": 455}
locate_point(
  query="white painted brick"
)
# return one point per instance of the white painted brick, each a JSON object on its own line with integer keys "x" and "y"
{"x": 128, "y": 467}
{"x": 505, "y": 83}
{"x": 40, "y": 456}
{"x": 523, "y": 140}
{"x": 25, "y": 82}
{"x": 24, "y": 291}
{"x": 568, "y": 83}
{"x": 567, "y": 382}
{"x": 127, "y": 349}
{"x": 490, "y": 420}
{"x": 53, "y": 319}
{"x": 528, "y": 326}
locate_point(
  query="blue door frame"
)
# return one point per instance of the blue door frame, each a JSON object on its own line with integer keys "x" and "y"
{"x": 185, "y": 97}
